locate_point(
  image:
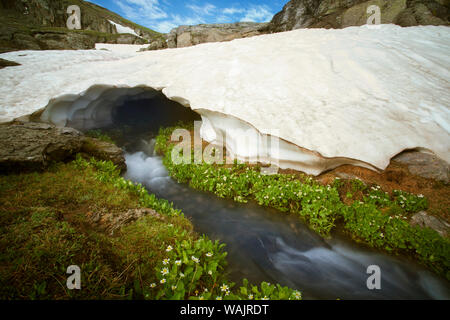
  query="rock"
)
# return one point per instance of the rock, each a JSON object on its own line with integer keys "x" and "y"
{"x": 61, "y": 41}
{"x": 104, "y": 151}
{"x": 112, "y": 222}
{"x": 156, "y": 45}
{"x": 32, "y": 146}
{"x": 424, "y": 220}
{"x": 6, "y": 63}
{"x": 340, "y": 14}
{"x": 186, "y": 36}
{"x": 425, "y": 165}
{"x": 357, "y": 14}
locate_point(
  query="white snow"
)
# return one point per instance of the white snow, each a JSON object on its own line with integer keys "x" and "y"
{"x": 123, "y": 29}
{"x": 121, "y": 48}
{"x": 356, "y": 95}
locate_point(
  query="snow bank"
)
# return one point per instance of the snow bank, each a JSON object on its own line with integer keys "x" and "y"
{"x": 356, "y": 95}
{"x": 123, "y": 29}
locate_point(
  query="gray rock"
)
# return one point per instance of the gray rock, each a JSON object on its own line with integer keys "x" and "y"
{"x": 158, "y": 44}
{"x": 425, "y": 165}
{"x": 424, "y": 220}
{"x": 32, "y": 146}
{"x": 6, "y": 63}
{"x": 186, "y": 36}
{"x": 104, "y": 151}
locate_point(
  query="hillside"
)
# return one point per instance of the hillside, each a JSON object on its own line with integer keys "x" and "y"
{"x": 298, "y": 14}
{"x": 41, "y": 24}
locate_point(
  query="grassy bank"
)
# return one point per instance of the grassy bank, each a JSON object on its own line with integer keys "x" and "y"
{"x": 369, "y": 214}
{"x": 46, "y": 225}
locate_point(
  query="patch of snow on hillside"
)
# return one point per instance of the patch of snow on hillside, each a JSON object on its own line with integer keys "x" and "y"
{"x": 123, "y": 29}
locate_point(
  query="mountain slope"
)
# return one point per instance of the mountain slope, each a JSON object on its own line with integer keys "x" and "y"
{"x": 41, "y": 24}
{"x": 337, "y": 14}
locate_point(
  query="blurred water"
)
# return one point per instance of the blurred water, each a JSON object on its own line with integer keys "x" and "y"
{"x": 266, "y": 245}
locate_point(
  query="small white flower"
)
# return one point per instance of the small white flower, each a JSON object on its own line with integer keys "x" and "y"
{"x": 174, "y": 288}
{"x": 178, "y": 262}
{"x": 181, "y": 274}
{"x": 209, "y": 254}
{"x": 210, "y": 272}
{"x": 169, "y": 248}
{"x": 265, "y": 298}
{"x": 297, "y": 295}
{"x": 196, "y": 260}
{"x": 224, "y": 287}
{"x": 164, "y": 271}
{"x": 166, "y": 261}
{"x": 219, "y": 298}
{"x": 153, "y": 285}
{"x": 250, "y": 297}
{"x": 163, "y": 281}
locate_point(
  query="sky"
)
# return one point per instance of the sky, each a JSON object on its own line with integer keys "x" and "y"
{"x": 164, "y": 15}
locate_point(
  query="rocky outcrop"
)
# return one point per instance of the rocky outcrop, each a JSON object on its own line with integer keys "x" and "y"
{"x": 157, "y": 44}
{"x": 425, "y": 165}
{"x": 344, "y": 13}
{"x": 41, "y": 25}
{"x": 424, "y": 220}
{"x": 32, "y": 146}
{"x": 186, "y": 36}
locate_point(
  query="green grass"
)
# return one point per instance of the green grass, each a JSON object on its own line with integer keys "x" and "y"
{"x": 45, "y": 227}
{"x": 371, "y": 215}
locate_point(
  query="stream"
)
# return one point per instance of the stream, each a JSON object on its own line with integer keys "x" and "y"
{"x": 266, "y": 245}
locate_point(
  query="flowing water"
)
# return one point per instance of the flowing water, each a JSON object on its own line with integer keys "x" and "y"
{"x": 266, "y": 245}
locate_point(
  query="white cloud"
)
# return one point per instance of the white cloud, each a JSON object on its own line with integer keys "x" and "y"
{"x": 232, "y": 11}
{"x": 206, "y": 10}
{"x": 258, "y": 14}
{"x": 141, "y": 9}
{"x": 188, "y": 21}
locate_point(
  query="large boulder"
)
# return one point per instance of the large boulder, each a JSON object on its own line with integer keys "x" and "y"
{"x": 186, "y": 36}
{"x": 425, "y": 165}
{"x": 28, "y": 146}
{"x": 344, "y": 13}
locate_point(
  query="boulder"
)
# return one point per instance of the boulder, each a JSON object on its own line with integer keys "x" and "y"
{"x": 186, "y": 36}
{"x": 424, "y": 220}
{"x": 28, "y": 146}
{"x": 158, "y": 44}
{"x": 425, "y": 165}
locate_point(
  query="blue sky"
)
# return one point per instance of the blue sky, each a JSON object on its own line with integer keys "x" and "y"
{"x": 163, "y": 15}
